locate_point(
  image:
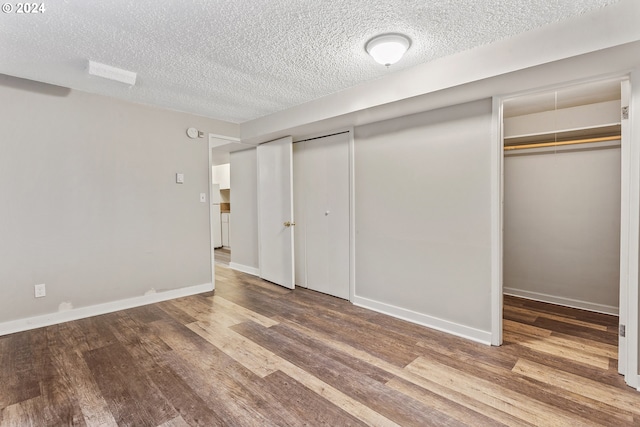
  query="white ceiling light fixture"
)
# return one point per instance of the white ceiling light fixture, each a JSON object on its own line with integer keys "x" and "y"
{"x": 387, "y": 49}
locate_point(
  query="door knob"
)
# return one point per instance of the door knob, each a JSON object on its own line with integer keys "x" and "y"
{"x": 289, "y": 224}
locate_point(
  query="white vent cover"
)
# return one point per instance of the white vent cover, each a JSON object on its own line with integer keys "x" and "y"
{"x": 112, "y": 73}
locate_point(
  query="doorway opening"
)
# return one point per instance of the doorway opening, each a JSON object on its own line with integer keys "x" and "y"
{"x": 221, "y": 207}
{"x": 563, "y": 222}
{"x": 220, "y": 148}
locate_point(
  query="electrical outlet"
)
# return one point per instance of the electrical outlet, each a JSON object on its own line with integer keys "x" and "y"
{"x": 40, "y": 290}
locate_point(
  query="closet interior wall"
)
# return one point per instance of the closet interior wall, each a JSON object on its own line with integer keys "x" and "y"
{"x": 562, "y": 207}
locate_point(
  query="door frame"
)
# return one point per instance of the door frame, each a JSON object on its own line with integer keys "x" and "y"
{"x": 630, "y": 220}
{"x": 214, "y": 141}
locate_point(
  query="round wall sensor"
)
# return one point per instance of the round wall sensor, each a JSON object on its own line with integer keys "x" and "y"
{"x": 192, "y": 133}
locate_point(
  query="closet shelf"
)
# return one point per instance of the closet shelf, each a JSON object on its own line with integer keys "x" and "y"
{"x": 561, "y": 143}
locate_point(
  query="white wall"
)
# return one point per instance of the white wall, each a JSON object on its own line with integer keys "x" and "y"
{"x": 423, "y": 217}
{"x": 244, "y": 205}
{"x": 587, "y": 116}
{"x": 219, "y": 157}
{"x": 88, "y": 200}
{"x": 562, "y": 227}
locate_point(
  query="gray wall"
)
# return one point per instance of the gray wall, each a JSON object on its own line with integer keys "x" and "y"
{"x": 88, "y": 200}
{"x": 244, "y": 205}
{"x": 423, "y": 213}
{"x": 562, "y": 226}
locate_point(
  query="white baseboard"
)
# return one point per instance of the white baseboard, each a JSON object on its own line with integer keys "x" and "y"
{"x": 98, "y": 309}
{"x": 567, "y": 302}
{"x": 245, "y": 269}
{"x": 483, "y": 337}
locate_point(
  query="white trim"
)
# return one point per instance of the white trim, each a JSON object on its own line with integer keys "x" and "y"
{"x": 497, "y": 160}
{"x": 211, "y": 240}
{"x": 245, "y": 269}
{"x": 632, "y": 303}
{"x": 625, "y": 167}
{"x": 567, "y": 302}
{"x": 483, "y": 337}
{"x": 26, "y": 324}
{"x": 352, "y": 214}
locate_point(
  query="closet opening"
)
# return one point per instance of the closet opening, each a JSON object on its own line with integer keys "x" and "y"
{"x": 561, "y": 241}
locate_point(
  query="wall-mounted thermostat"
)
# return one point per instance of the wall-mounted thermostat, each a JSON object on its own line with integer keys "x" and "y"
{"x": 179, "y": 178}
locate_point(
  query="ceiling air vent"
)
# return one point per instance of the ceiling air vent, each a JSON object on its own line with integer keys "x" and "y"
{"x": 112, "y": 73}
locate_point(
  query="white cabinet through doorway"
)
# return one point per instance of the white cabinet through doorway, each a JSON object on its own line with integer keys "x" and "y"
{"x": 225, "y": 221}
{"x": 321, "y": 203}
{"x": 221, "y": 174}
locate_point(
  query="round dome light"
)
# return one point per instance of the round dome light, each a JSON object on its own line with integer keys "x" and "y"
{"x": 388, "y": 49}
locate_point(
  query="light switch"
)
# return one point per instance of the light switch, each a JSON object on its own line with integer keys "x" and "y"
{"x": 40, "y": 291}
{"x": 179, "y": 178}
{"x": 203, "y": 197}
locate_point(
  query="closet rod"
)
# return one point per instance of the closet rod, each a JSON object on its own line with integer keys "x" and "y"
{"x": 558, "y": 143}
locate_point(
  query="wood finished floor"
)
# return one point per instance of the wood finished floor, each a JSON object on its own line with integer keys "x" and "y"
{"x": 255, "y": 354}
{"x": 222, "y": 256}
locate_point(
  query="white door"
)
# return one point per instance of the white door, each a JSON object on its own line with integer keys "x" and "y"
{"x": 322, "y": 184}
{"x": 275, "y": 212}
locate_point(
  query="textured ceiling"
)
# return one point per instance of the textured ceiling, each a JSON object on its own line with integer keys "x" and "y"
{"x": 243, "y": 59}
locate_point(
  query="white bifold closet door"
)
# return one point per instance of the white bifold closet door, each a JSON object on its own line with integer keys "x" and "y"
{"x": 321, "y": 203}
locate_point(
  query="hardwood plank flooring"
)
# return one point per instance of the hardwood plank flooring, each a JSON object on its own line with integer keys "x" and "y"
{"x": 255, "y": 354}
{"x": 222, "y": 256}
